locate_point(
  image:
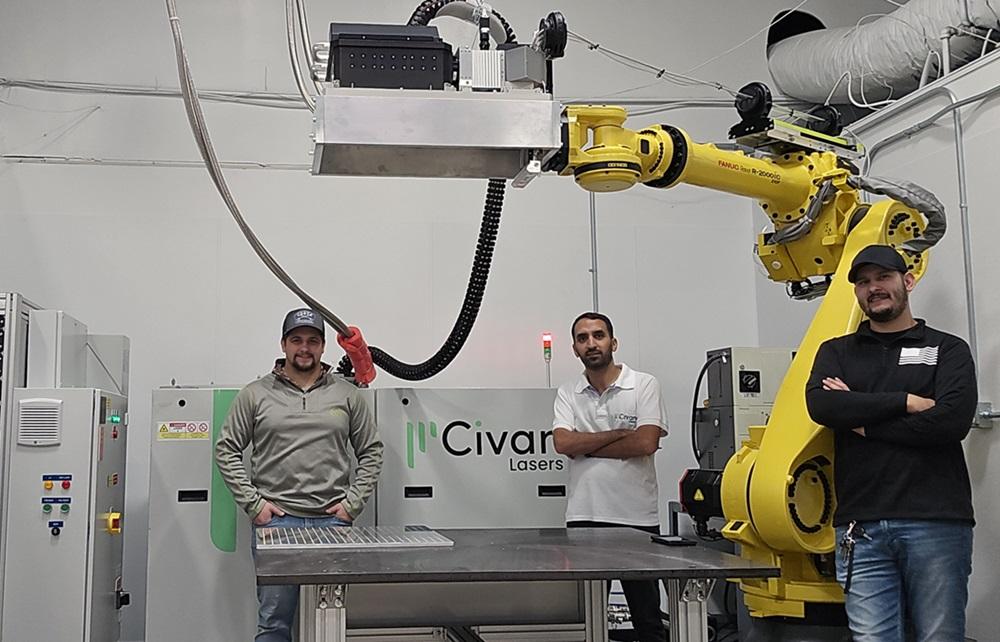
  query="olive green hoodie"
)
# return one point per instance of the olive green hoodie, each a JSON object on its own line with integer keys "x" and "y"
{"x": 304, "y": 443}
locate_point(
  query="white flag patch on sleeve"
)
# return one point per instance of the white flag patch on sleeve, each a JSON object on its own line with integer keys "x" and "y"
{"x": 926, "y": 356}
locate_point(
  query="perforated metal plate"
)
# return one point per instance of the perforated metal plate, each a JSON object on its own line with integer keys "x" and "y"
{"x": 349, "y": 537}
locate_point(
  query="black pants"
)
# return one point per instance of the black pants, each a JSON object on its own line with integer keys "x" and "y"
{"x": 642, "y": 596}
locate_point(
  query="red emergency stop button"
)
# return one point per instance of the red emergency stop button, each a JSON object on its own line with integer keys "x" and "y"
{"x": 65, "y": 484}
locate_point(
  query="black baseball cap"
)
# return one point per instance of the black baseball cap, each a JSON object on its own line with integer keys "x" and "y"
{"x": 881, "y": 255}
{"x": 303, "y": 318}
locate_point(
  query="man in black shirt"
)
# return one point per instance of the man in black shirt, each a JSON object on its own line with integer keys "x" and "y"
{"x": 900, "y": 397}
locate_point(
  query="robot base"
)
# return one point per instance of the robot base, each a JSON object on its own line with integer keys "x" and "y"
{"x": 823, "y": 623}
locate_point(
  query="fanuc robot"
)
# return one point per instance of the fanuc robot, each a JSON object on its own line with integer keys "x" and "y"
{"x": 777, "y": 493}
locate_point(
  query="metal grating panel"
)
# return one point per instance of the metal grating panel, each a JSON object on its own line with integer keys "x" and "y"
{"x": 39, "y": 422}
{"x": 349, "y": 537}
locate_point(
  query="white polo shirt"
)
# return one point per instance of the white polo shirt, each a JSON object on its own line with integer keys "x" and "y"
{"x": 612, "y": 490}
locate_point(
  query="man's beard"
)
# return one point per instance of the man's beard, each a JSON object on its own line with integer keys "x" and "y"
{"x": 899, "y": 299}
{"x": 300, "y": 368}
{"x": 599, "y": 364}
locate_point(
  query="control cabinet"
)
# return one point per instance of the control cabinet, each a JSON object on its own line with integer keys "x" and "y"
{"x": 66, "y": 495}
{"x": 742, "y": 385}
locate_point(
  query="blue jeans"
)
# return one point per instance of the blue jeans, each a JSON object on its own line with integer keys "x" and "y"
{"x": 278, "y": 603}
{"x": 907, "y": 570}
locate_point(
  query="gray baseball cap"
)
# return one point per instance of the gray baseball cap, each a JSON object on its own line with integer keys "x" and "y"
{"x": 303, "y": 318}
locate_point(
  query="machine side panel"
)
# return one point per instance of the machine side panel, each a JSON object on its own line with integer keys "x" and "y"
{"x": 108, "y": 503}
{"x": 197, "y": 591}
{"x": 108, "y": 362}
{"x": 741, "y": 392}
{"x": 57, "y": 355}
{"x": 14, "y": 310}
{"x": 469, "y": 458}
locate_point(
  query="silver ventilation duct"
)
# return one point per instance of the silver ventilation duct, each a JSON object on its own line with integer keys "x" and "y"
{"x": 881, "y": 58}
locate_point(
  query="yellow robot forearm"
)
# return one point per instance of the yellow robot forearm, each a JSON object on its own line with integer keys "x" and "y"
{"x": 605, "y": 156}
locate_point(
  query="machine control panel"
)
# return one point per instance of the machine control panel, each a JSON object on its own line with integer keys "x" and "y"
{"x": 49, "y": 504}
{"x": 51, "y": 481}
{"x": 55, "y": 499}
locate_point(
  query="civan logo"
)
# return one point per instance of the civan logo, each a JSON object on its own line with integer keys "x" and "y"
{"x": 420, "y": 434}
{"x": 460, "y": 439}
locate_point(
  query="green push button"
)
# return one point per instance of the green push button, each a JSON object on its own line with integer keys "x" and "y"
{"x": 46, "y": 508}
{"x": 64, "y": 508}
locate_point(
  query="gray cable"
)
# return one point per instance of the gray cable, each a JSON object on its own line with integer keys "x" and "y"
{"x": 256, "y": 99}
{"x": 927, "y": 122}
{"x": 293, "y": 56}
{"x": 667, "y": 75}
{"x": 801, "y": 227}
{"x": 43, "y": 159}
{"x": 911, "y": 195}
{"x": 197, "y": 121}
{"x": 300, "y": 9}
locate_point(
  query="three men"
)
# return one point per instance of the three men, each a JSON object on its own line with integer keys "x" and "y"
{"x": 900, "y": 396}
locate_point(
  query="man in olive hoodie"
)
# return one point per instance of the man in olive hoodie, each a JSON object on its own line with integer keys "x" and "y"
{"x": 306, "y": 425}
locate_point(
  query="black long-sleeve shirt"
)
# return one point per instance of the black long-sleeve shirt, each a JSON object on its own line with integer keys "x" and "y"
{"x": 907, "y": 466}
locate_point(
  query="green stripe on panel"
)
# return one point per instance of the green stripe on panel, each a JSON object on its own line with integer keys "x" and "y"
{"x": 222, "y": 506}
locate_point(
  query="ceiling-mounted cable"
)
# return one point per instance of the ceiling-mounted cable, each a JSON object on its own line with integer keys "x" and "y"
{"x": 300, "y": 10}
{"x": 196, "y": 119}
{"x": 293, "y": 56}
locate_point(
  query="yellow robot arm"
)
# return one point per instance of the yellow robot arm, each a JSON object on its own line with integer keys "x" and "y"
{"x": 777, "y": 491}
{"x": 604, "y": 156}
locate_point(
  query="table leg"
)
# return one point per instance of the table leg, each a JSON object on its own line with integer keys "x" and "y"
{"x": 330, "y": 614}
{"x": 687, "y": 602}
{"x": 595, "y": 599}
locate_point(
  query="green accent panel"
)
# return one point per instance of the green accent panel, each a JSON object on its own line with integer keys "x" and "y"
{"x": 434, "y": 429}
{"x": 836, "y": 140}
{"x": 409, "y": 444}
{"x": 422, "y": 437}
{"x": 222, "y": 506}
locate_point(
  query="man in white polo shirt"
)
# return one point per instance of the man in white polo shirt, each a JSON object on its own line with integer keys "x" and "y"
{"x": 609, "y": 422}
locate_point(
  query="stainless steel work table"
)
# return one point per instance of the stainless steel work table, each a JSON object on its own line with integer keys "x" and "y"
{"x": 586, "y": 556}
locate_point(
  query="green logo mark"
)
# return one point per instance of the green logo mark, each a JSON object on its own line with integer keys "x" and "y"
{"x": 421, "y": 432}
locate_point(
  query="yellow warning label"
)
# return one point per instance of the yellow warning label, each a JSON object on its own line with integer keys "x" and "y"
{"x": 698, "y": 497}
{"x": 177, "y": 430}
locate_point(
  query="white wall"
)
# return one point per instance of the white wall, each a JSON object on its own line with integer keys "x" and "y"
{"x": 152, "y": 253}
{"x": 929, "y": 159}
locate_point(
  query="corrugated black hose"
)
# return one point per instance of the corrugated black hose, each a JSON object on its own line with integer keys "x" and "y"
{"x": 488, "y": 230}
{"x": 470, "y": 306}
{"x": 428, "y": 9}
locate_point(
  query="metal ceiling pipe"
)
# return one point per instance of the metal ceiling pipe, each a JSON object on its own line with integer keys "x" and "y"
{"x": 963, "y": 197}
